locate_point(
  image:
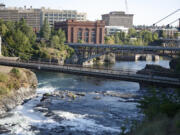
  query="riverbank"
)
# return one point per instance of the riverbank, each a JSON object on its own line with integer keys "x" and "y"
{"x": 16, "y": 85}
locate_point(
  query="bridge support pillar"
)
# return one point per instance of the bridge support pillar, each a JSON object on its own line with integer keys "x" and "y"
{"x": 146, "y": 57}
{"x": 155, "y": 58}
{"x": 88, "y": 63}
{"x": 137, "y": 56}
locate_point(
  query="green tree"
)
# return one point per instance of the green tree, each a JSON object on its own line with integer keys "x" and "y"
{"x": 27, "y": 30}
{"x": 109, "y": 39}
{"x": 3, "y": 29}
{"x": 122, "y": 36}
{"x": 55, "y": 42}
{"x": 117, "y": 39}
{"x": 132, "y": 32}
{"x": 80, "y": 41}
{"x": 45, "y": 30}
{"x": 155, "y": 36}
{"x": 62, "y": 36}
{"x": 162, "y": 34}
{"x": 148, "y": 37}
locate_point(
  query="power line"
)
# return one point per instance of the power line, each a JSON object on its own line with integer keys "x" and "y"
{"x": 166, "y": 17}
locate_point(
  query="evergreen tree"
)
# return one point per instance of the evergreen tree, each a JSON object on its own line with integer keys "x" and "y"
{"x": 3, "y": 29}
{"x": 45, "y": 30}
{"x": 55, "y": 42}
{"x": 62, "y": 37}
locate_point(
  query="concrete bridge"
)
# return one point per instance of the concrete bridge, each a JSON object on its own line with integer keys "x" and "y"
{"x": 87, "y": 52}
{"x": 121, "y": 74}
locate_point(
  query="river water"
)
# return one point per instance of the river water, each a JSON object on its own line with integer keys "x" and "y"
{"x": 92, "y": 114}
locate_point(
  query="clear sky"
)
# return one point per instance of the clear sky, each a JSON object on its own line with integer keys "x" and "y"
{"x": 145, "y": 11}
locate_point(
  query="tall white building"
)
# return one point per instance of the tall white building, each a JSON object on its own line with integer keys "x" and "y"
{"x": 54, "y": 15}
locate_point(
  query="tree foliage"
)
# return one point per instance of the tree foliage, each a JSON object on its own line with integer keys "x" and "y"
{"x": 19, "y": 37}
{"x": 19, "y": 40}
{"x": 133, "y": 37}
{"x": 45, "y": 30}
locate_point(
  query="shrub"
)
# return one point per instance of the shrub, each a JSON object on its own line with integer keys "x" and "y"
{"x": 156, "y": 127}
{"x": 3, "y": 90}
{"x": 16, "y": 72}
{"x": 3, "y": 77}
{"x": 160, "y": 103}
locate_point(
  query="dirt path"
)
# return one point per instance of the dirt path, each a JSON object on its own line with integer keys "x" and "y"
{"x": 5, "y": 69}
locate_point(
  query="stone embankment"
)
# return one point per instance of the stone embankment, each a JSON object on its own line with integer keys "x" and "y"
{"x": 156, "y": 70}
{"x": 26, "y": 89}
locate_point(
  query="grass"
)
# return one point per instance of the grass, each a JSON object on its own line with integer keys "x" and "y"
{"x": 11, "y": 81}
{"x": 4, "y": 90}
{"x": 3, "y": 77}
{"x": 16, "y": 72}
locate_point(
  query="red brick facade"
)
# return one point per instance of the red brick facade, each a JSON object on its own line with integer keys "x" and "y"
{"x": 86, "y": 31}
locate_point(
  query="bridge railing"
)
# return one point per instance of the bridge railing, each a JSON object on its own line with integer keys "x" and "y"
{"x": 78, "y": 68}
{"x": 75, "y": 66}
{"x": 96, "y": 71}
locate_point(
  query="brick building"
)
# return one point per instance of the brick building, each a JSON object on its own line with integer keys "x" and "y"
{"x": 86, "y": 31}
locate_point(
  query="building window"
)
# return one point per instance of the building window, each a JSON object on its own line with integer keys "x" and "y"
{"x": 100, "y": 36}
{"x": 86, "y": 36}
{"x": 72, "y": 35}
{"x": 79, "y": 34}
{"x": 93, "y": 36}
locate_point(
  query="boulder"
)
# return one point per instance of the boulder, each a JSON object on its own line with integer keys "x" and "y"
{"x": 173, "y": 63}
{"x": 157, "y": 70}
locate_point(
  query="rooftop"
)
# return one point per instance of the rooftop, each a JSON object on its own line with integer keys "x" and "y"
{"x": 118, "y": 13}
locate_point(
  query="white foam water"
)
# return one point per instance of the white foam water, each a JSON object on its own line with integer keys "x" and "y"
{"x": 79, "y": 122}
{"x": 24, "y": 116}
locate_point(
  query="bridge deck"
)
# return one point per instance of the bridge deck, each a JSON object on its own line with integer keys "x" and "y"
{"x": 126, "y": 75}
{"x": 126, "y": 47}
